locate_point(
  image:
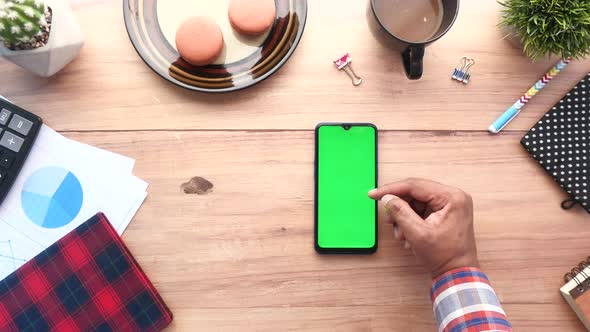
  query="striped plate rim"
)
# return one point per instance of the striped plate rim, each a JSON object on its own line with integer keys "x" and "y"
{"x": 150, "y": 43}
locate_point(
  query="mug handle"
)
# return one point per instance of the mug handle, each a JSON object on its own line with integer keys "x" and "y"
{"x": 413, "y": 56}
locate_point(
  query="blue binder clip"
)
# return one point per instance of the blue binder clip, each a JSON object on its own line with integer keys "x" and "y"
{"x": 462, "y": 74}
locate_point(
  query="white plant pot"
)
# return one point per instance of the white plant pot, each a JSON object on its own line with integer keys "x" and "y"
{"x": 64, "y": 44}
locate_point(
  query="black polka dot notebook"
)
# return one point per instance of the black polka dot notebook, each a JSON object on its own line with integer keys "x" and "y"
{"x": 560, "y": 142}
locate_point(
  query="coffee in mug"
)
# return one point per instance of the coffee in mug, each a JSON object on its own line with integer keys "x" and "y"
{"x": 408, "y": 26}
{"x": 411, "y": 20}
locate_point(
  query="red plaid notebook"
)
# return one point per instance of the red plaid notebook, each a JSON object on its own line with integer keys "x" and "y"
{"x": 87, "y": 281}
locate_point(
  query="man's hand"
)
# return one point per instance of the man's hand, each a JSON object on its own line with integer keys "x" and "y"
{"x": 434, "y": 220}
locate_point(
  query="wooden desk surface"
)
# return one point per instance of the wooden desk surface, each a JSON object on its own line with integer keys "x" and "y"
{"x": 241, "y": 258}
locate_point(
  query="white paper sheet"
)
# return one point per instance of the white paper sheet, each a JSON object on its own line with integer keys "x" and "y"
{"x": 62, "y": 184}
{"x": 15, "y": 249}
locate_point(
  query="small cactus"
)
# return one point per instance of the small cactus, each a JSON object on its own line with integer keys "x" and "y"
{"x": 22, "y": 22}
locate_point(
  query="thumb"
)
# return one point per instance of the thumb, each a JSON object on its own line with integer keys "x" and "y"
{"x": 411, "y": 224}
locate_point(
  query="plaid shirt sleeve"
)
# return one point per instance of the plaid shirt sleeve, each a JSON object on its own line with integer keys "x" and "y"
{"x": 464, "y": 301}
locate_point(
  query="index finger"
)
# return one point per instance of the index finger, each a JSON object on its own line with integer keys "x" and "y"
{"x": 419, "y": 189}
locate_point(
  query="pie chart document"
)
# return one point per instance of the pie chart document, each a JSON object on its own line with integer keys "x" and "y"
{"x": 63, "y": 183}
{"x": 52, "y": 197}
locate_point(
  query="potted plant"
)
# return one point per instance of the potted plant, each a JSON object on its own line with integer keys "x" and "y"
{"x": 548, "y": 27}
{"x": 40, "y": 36}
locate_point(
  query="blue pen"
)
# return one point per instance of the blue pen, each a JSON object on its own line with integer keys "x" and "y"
{"x": 513, "y": 111}
{"x": 504, "y": 119}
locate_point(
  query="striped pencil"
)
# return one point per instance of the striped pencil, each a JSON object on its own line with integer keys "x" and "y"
{"x": 513, "y": 111}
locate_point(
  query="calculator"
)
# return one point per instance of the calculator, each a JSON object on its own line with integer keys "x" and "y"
{"x": 18, "y": 132}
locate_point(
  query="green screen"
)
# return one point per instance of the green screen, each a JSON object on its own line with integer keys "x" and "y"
{"x": 346, "y": 172}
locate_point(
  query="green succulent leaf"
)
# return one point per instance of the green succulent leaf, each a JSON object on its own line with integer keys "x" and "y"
{"x": 547, "y": 27}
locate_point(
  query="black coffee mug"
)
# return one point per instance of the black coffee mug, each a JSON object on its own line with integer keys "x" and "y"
{"x": 412, "y": 52}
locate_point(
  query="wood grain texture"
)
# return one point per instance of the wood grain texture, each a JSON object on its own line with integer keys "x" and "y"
{"x": 109, "y": 87}
{"x": 241, "y": 258}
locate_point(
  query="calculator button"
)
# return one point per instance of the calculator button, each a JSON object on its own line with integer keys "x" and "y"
{"x": 11, "y": 141}
{"x": 20, "y": 125}
{"x": 4, "y": 115}
{"x": 6, "y": 160}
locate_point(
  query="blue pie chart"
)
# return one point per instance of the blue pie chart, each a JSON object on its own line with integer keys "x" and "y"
{"x": 52, "y": 197}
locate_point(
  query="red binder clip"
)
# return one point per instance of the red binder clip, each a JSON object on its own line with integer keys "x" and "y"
{"x": 344, "y": 63}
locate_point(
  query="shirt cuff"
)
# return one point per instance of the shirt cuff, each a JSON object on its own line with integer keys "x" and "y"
{"x": 464, "y": 300}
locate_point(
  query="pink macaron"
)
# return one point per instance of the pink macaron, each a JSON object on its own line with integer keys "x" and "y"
{"x": 199, "y": 40}
{"x": 252, "y": 17}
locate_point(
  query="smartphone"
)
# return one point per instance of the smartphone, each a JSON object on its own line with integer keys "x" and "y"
{"x": 345, "y": 171}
